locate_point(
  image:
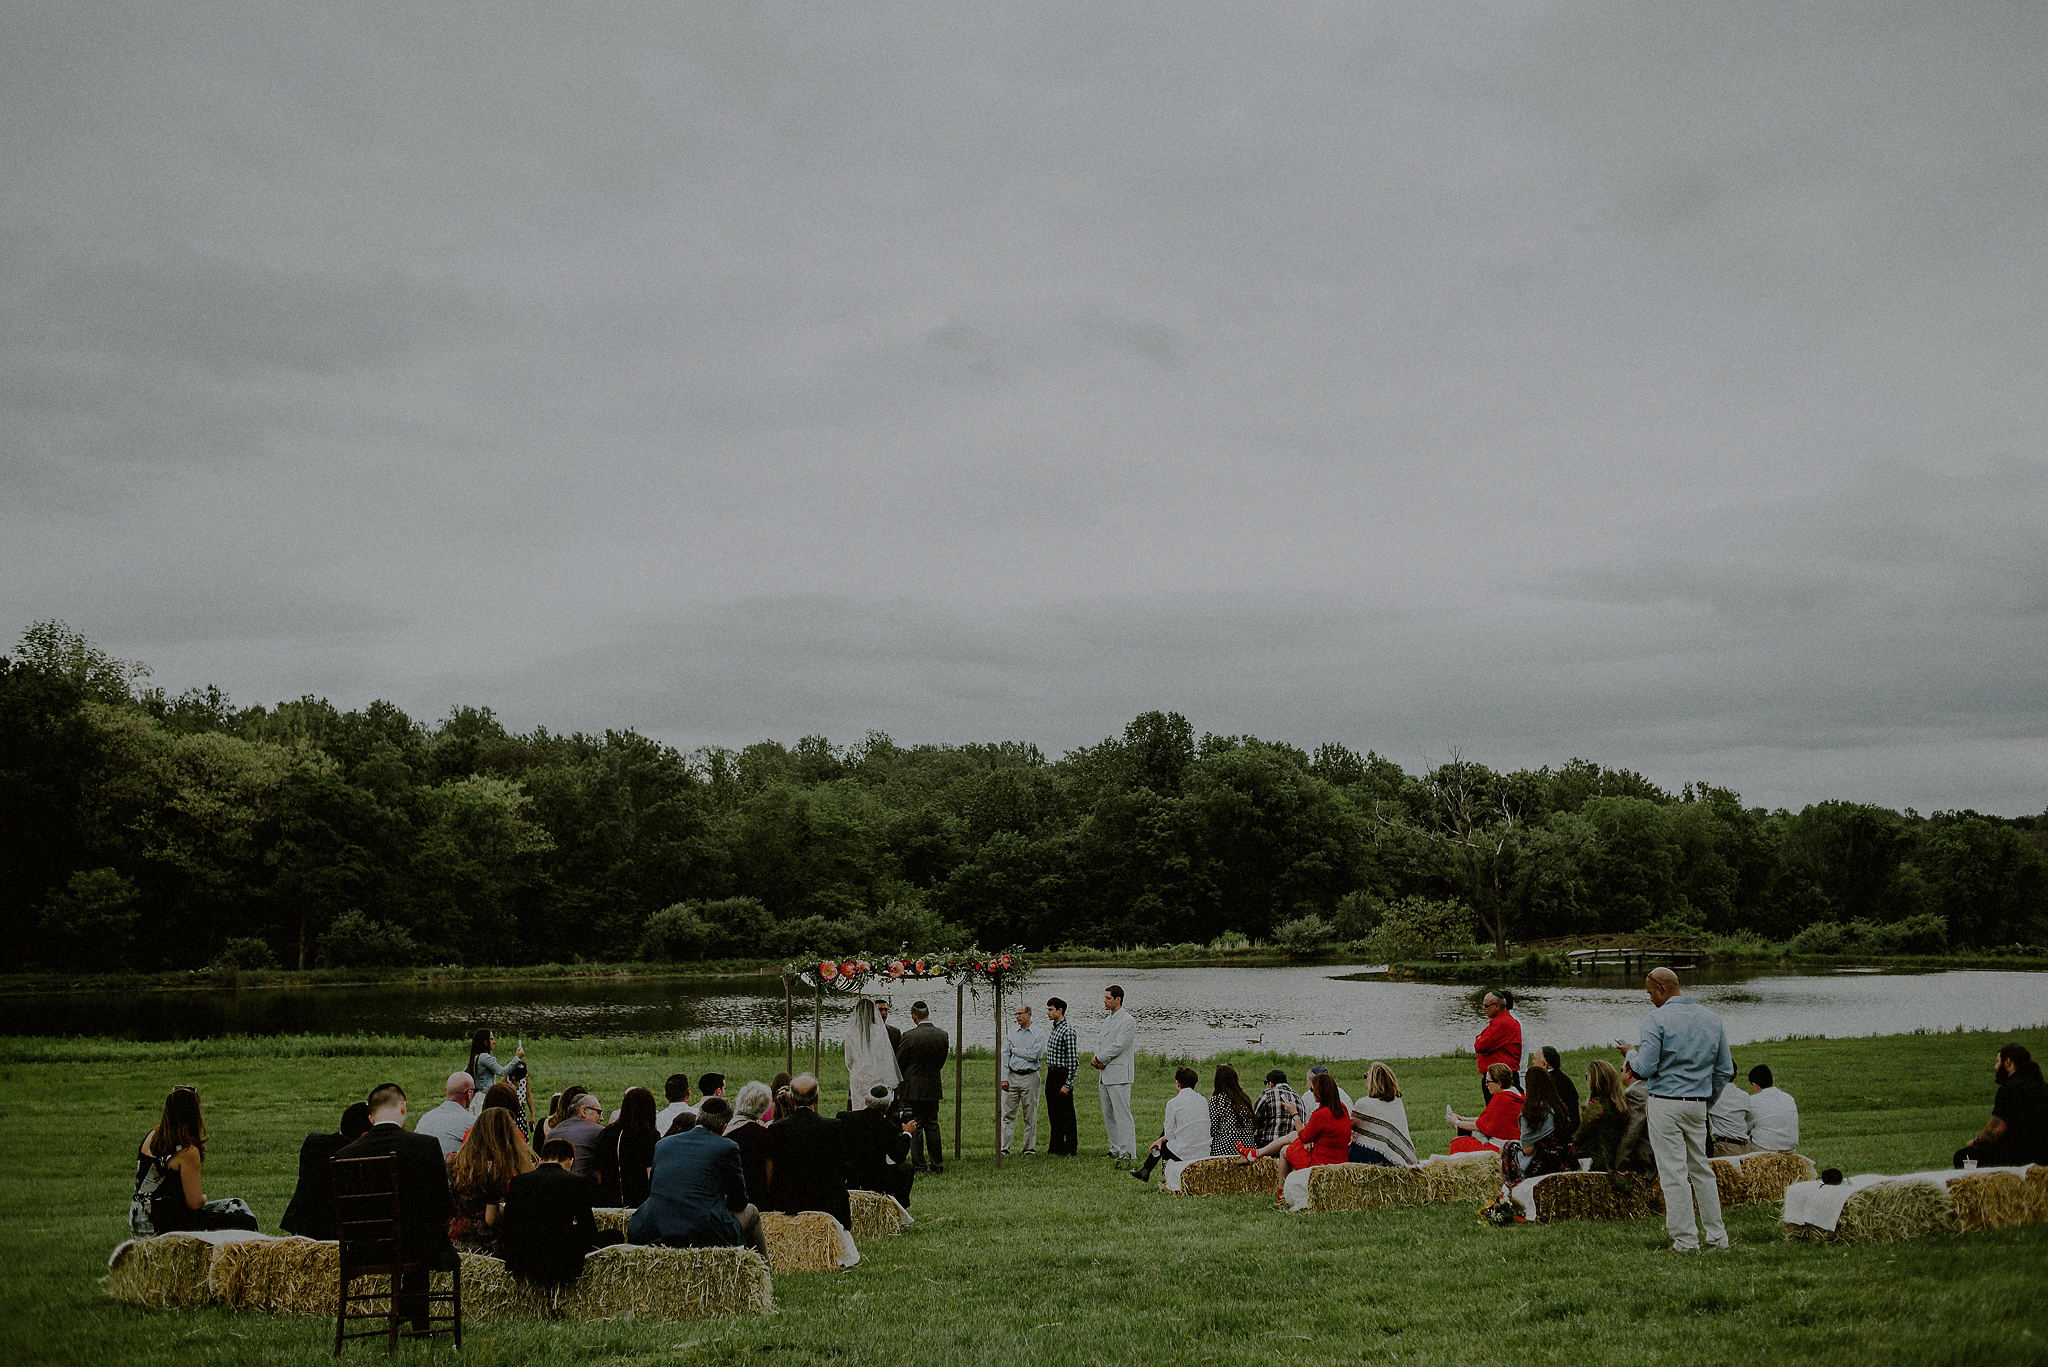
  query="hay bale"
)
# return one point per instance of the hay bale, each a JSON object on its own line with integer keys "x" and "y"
{"x": 2000, "y": 1200}
{"x": 1462, "y": 1177}
{"x": 282, "y": 1276}
{"x": 1766, "y": 1175}
{"x": 876, "y": 1215}
{"x": 167, "y": 1270}
{"x": 1884, "y": 1213}
{"x": 1365, "y": 1186}
{"x": 1228, "y": 1177}
{"x": 666, "y": 1283}
{"x": 613, "y": 1217}
{"x": 1594, "y": 1196}
{"x": 801, "y": 1243}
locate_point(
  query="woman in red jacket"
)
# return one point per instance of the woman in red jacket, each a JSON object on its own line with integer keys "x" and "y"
{"x": 1325, "y": 1138}
{"x": 1498, "y": 1123}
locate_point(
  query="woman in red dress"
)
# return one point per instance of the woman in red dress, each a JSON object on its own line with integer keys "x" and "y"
{"x": 1498, "y": 1123}
{"x": 1325, "y": 1138}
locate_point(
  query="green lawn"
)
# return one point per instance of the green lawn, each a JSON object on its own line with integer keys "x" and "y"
{"x": 1068, "y": 1260}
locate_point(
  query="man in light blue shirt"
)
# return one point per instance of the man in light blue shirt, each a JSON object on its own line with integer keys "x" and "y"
{"x": 1683, "y": 1059}
{"x": 1023, "y": 1055}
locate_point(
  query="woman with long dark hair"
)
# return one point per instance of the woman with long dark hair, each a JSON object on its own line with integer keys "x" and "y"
{"x": 484, "y": 1069}
{"x": 1232, "y": 1122}
{"x": 785, "y": 1106}
{"x": 493, "y": 1154}
{"x": 623, "y": 1153}
{"x": 168, "y": 1196}
{"x": 1544, "y": 1144}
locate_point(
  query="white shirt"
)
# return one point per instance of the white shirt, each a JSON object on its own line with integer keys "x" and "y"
{"x": 1773, "y": 1120}
{"x": 1187, "y": 1124}
{"x": 1309, "y": 1104}
{"x": 447, "y": 1122}
{"x": 1730, "y": 1114}
{"x": 666, "y": 1116}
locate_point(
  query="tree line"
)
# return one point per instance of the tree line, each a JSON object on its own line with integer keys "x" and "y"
{"x": 146, "y": 832}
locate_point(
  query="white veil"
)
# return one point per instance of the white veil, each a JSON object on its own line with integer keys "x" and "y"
{"x": 869, "y": 1059}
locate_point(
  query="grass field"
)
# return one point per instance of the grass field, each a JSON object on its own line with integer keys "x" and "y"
{"x": 1068, "y": 1260}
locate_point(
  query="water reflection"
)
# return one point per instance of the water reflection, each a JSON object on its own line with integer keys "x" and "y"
{"x": 1340, "y": 1012}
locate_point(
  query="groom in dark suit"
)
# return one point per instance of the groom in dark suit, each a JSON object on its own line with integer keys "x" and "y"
{"x": 424, "y": 1205}
{"x": 921, "y": 1057}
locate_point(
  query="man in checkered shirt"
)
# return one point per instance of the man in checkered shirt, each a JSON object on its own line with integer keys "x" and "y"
{"x": 1278, "y": 1110}
{"x": 1062, "y": 1061}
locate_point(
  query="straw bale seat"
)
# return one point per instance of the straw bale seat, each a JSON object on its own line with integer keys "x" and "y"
{"x": 172, "y": 1269}
{"x": 810, "y": 1242}
{"x": 298, "y": 1277}
{"x": 1740, "y": 1181}
{"x": 1226, "y": 1176}
{"x": 1880, "y": 1209}
{"x": 876, "y": 1214}
{"x": 1367, "y": 1186}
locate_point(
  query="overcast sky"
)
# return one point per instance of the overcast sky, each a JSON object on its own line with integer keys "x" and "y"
{"x": 1661, "y": 384}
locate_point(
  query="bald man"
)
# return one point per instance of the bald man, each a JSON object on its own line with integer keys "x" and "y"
{"x": 450, "y": 1120}
{"x": 1683, "y": 1059}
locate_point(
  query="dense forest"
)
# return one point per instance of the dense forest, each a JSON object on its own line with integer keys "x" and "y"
{"x": 144, "y": 832}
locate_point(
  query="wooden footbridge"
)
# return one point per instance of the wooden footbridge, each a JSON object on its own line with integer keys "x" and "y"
{"x": 1627, "y": 953}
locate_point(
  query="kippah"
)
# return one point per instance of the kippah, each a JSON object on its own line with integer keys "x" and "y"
{"x": 879, "y": 1092}
{"x": 919, "y": 1006}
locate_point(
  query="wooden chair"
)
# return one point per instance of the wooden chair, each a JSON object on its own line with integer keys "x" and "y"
{"x": 371, "y": 1227}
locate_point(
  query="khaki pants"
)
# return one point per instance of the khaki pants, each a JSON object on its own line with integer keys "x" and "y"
{"x": 1022, "y": 1096}
{"x": 1678, "y": 1136}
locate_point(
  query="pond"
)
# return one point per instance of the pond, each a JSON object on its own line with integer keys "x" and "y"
{"x": 1333, "y": 1012}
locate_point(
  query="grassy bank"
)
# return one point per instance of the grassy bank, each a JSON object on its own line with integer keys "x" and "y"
{"x": 1067, "y": 1259}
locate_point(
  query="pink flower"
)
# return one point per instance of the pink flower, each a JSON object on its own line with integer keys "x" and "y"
{"x": 827, "y": 971}
{"x": 896, "y": 968}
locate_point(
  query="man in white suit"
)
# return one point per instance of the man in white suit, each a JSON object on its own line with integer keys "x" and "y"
{"x": 1116, "y": 1050}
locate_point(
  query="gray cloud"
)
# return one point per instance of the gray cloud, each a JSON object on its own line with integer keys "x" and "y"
{"x": 1655, "y": 385}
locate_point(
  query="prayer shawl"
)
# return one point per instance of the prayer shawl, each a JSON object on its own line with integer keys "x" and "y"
{"x": 869, "y": 1059}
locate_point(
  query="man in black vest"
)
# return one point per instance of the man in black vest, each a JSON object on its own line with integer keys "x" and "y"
{"x": 424, "y": 1205}
{"x": 311, "y": 1213}
{"x": 921, "y": 1057}
{"x": 548, "y": 1227}
{"x": 807, "y": 1158}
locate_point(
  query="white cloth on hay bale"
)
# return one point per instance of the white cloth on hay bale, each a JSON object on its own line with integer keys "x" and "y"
{"x": 1820, "y": 1205}
{"x": 878, "y": 1212}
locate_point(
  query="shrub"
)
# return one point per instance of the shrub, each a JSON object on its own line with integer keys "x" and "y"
{"x": 1925, "y": 933}
{"x": 1822, "y": 937}
{"x": 675, "y": 933}
{"x": 356, "y": 941}
{"x": 1415, "y": 927}
{"x": 1304, "y": 935}
{"x": 1229, "y": 940}
{"x": 245, "y": 952}
{"x": 91, "y": 922}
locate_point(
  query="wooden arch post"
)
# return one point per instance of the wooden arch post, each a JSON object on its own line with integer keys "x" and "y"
{"x": 959, "y": 1056}
{"x": 1002, "y": 1074}
{"x": 788, "y": 1026}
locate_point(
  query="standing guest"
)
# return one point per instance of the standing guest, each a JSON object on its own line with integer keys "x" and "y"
{"x": 484, "y": 1069}
{"x": 877, "y": 1148}
{"x": 1278, "y": 1110}
{"x": 581, "y": 1129}
{"x": 807, "y": 1159}
{"x": 921, "y": 1055}
{"x": 749, "y": 1130}
{"x": 1543, "y": 1145}
{"x": 1184, "y": 1134}
{"x": 502, "y": 1097}
{"x": 698, "y": 1197}
{"x": 1495, "y": 1125}
{"x": 677, "y": 1091}
{"x": 1603, "y": 1119}
{"x": 1728, "y": 1124}
{"x": 622, "y": 1155}
{"x": 779, "y": 1091}
{"x": 311, "y": 1212}
{"x": 1500, "y": 1041}
{"x": 167, "y": 1195}
{"x": 424, "y": 1205}
{"x": 1023, "y": 1053}
{"x": 450, "y": 1120}
{"x": 1773, "y": 1114}
{"x": 1379, "y": 1122}
{"x": 1567, "y": 1091}
{"x": 1233, "y": 1120}
{"x": 493, "y": 1154}
{"x": 895, "y": 1032}
{"x": 548, "y": 1227}
{"x": 1062, "y": 1062}
{"x": 1115, "y": 1062}
{"x": 2017, "y": 1132}
{"x": 1683, "y": 1059}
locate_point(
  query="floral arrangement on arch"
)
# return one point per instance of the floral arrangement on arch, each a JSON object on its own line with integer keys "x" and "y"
{"x": 851, "y": 975}
{"x": 979, "y": 969}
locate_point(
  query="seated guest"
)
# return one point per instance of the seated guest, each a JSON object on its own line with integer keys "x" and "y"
{"x": 547, "y": 1226}
{"x": 779, "y": 1089}
{"x": 1635, "y": 1153}
{"x": 749, "y": 1129}
{"x": 504, "y": 1097}
{"x": 1567, "y": 1091}
{"x": 311, "y": 1212}
{"x": 1309, "y": 1102}
{"x": 710, "y": 1085}
{"x": 1543, "y": 1145}
{"x": 623, "y": 1152}
{"x": 1233, "y": 1120}
{"x": 677, "y": 1090}
{"x": 1379, "y": 1122}
{"x": 714, "y": 1114}
{"x": 563, "y": 1108}
{"x": 877, "y": 1148}
{"x": 1604, "y": 1119}
{"x": 424, "y": 1206}
{"x": 698, "y": 1196}
{"x": 1499, "y": 1122}
{"x": 1278, "y": 1110}
{"x": 1325, "y": 1137}
{"x": 1773, "y": 1114}
{"x": 1728, "y": 1124}
{"x": 2017, "y": 1132}
{"x": 1184, "y": 1135}
{"x": 449, "y": 1121}
{"x": 806, "y": 1158}
{"x": 581, "y": 1129}
{"x": 685, "y": 1120}
{"x": 167, "y": 1192}
{"x": 493, "y": 1154}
